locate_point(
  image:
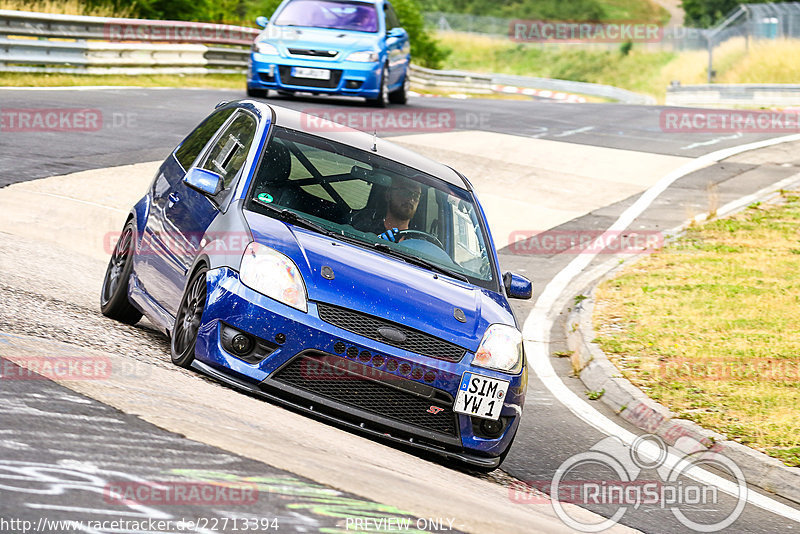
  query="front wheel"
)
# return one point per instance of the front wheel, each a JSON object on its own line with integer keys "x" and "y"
{"x": 383, "y": 96}
{"x": 400, "y": 96}
{"x": 257, "y": 93}
{"x": 114, "y": 301}
{"x": 187, "y": 321}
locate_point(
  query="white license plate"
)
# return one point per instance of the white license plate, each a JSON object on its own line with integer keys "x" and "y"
{"x": 481, "y": 396}
{"x": 313, "y": 74}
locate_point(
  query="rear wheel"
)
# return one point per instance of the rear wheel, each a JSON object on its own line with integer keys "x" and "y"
{"x": 400, "y": 96}
{"x": 114, "y": 301}
{"x": 187, "y": 321}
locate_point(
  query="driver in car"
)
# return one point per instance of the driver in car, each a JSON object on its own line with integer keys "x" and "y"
{"x": 402, "y": 200}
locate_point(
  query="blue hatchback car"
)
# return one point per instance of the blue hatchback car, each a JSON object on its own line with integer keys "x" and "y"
{"x": 333, "y": 272}
{"x": 343, "y": 47}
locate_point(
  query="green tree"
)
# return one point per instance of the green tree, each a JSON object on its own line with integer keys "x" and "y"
{"x": 425, "y": 50}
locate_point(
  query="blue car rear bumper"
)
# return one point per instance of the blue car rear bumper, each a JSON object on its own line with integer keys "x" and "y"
{"x": 317, "y": 367}
{"x": 346, "y": 77}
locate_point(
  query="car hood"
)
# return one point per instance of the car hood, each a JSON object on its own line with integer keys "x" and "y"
{"x": 319, "y": 38}
{"x": 372, "y": 283}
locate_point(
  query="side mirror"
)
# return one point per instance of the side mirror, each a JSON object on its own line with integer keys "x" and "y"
{"x": 207, "y": 182}
{"x": 262, "y": 22}
{"x": 396, "y": 32}
{"x": 517, "y": 286}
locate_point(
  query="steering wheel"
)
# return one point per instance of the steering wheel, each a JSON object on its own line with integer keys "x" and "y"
{"x": 419, "y": 233}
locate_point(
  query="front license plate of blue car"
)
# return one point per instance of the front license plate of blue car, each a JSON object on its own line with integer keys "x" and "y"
{"x": 481, "y": 396}
{"x": 313, "y": 74}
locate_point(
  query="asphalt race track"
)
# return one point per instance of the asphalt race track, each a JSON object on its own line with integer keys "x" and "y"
{"x": 52, "y": 438}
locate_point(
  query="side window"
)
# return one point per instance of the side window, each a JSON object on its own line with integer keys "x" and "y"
{"x": 229, "y": 152}
{"x": 391, "y": 17}
{"x": 192, "y": 145}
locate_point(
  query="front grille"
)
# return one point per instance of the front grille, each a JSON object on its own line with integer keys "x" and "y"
{"x": 371, "y": 390}
{"x": 367, "y": 326}
{"x": 288, "y": 79}
{"x": 313, "y": 53}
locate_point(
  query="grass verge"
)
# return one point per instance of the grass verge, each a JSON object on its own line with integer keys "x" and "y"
{"x": 643, "y": 70}
{"x": 204, "y": 81}
{"x": 708, "y": 325}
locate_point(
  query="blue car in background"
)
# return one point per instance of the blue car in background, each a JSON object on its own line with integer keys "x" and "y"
{"x": 332, "y": 272}
{"x": 342, "y": 47}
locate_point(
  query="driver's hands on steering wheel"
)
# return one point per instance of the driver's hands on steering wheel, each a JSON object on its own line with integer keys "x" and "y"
{"x": 390, "y": 235}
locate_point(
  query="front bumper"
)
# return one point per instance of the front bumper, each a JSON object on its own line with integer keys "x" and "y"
{"x": 347, "y": 77}
{"x": 412, "y": 383}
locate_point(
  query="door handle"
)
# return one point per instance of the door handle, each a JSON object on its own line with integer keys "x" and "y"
{"x": 174, "y": 198}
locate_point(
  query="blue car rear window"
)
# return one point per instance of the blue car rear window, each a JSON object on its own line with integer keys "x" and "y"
{"x": 350, "y": 16}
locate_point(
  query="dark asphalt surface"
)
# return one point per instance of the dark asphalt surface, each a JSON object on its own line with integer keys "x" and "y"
{"x": 139, "y": 125}
{"x": 144, "y": 125}
{"x": 67, "y": 457}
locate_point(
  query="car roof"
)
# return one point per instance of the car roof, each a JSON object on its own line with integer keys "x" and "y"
{"x": 294, "y": 120}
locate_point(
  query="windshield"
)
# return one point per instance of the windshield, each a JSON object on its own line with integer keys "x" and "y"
{"x": 351, "y": 16}
{"x": 361, "y": 196}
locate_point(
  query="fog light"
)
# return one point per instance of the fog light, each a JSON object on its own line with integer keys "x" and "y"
{"x": 492, "y": 429}
{"x": 236, "y": 342}
{"x": 240, "y": 344}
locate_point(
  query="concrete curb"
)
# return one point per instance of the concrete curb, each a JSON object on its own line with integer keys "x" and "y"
{"x": 598, "y": 373}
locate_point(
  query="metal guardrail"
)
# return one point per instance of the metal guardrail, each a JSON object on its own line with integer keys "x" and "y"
{"x": 26, "y": 23}
{"x": 732, "y": 95}
{"x": 489, "y": 83}
{"x": 35, "y": 42}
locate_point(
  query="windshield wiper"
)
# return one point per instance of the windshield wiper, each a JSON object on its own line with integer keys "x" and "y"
{"x": 287, "y": 215}
{"x": 419, "y": 262}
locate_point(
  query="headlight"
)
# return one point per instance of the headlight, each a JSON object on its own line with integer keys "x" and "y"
{"x": 264, "y": 47}
{"x": 365, "y": 56}
{"x": 500, "y": 349}
{"x": 272, "y": 274}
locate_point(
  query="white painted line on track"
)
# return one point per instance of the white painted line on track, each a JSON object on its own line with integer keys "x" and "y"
{"x": 537, "y": 326}
{"x": 714, "y": 141}
{"x": 576, "y": 131}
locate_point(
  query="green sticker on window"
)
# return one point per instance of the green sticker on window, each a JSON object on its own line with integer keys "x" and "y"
{"x": 265, "y": 198}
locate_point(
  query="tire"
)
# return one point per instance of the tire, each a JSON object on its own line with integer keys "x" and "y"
{"x": 400, "y": 96}
{"x": 187, "y": 320}
{"x": 380, "y": 100}
{"x": 114, "y": 301}
{"x": 257, "y": 93}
